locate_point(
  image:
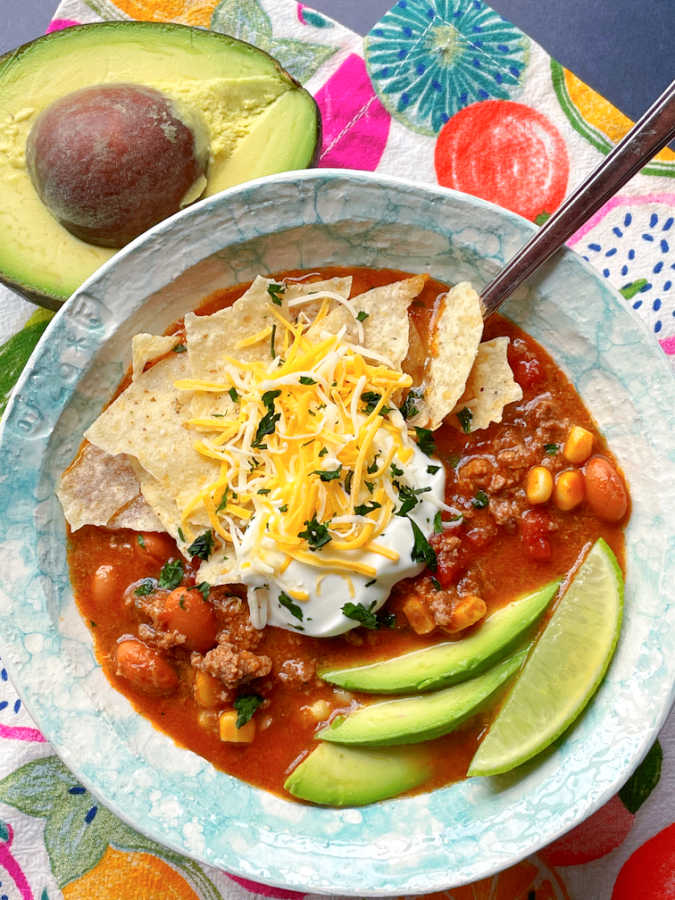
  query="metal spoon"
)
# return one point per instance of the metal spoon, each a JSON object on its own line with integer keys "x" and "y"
{"x": 650, "y": 134}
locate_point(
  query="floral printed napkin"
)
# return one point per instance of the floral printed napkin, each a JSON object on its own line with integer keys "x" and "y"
{"x": 443, "y": 91}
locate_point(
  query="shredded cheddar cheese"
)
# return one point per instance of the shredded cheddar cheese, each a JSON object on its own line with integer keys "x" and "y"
{"x": 305, "y": 451}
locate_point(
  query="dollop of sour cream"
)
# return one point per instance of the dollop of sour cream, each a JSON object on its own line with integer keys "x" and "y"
{"x": 327, "y": 591}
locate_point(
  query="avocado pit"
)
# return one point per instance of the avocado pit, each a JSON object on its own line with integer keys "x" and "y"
{"x": 110, "y": 161}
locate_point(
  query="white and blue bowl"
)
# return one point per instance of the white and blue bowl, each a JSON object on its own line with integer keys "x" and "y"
{"x": 412, "y": 845}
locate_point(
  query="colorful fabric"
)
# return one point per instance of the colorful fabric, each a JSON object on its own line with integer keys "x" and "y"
{"x": 443, "y": 91}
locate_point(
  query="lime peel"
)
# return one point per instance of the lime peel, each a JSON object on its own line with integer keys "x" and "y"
{"x": 564, "y": 669}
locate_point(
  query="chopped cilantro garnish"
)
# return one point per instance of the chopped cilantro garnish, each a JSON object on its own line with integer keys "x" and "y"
{"x": 204, "y": 587}
{"x": 464, "y": 417}
{"x": 425, "y": 440}
{"x": 268, "y": 422}
{"x": 181, "y": 601}
{"x": 328, "y": 475}
{"x": 370, "y": 485}
{"x": 374, "y": 466}
{"x": 293, "y": 608}
{"x": 284, "y": 508}
{"x": 245, "y": 707}
{"x": 436, "y": 583}
{"x": 264, "y": 491}
{"x": 171, "y": 575}
{"x": 370, "y": 583}
{"x": 438, "y": 524}
{"x": 348, "y": 481}
{"x": 180, "y": 534}
{"x": 371, "y": 399}
{"x": 422, "y": 551}
{"x": 409, "y": 497}
{"x": 481, "y": 500}
{"x": 274, "y": 290}
{"x": 551, "y": 449}
{"x": 323, "y": 451}
{"x": 364, "y": 615}
{"x": 224, "y": 499}
{"x": 408, "y": 408}
{"x": 453, "y": 460}
{"x": 141, "y": 540}
{"x": 362, "y": 315}
{"x": 147, "y": 586}
{"x": 202, "y": 545}
{"x": 316, "y": 534}
{"x": 305, "y": 379}
{"x": 180, "y": 348}
{"x": 273, "y": 338}
{"x": 233, "y": 394}
{"x": 395, "y": 471}
{"x": 253, "y": 463}
{"x": 364, "y": 508}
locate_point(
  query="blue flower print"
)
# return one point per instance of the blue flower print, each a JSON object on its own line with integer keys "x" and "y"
{"x": 428, "y": 59}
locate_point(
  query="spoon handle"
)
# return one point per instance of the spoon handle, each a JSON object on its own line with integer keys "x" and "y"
{"x": 650, "y": 134}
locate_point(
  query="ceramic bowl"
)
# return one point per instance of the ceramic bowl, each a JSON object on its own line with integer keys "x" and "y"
{"x": 404, "y": 846}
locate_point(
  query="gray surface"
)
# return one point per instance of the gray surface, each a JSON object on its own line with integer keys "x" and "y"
{"x": 623, "y": 48}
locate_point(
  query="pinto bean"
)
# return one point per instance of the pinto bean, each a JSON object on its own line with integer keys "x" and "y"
{"x": 104, "y": 586}
{"x": 605, "y": 491}
{"x": 186, "y": 612}
{"x": 146, "y": 669}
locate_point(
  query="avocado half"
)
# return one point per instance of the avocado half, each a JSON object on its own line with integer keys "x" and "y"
{"x": 260, "y": 121}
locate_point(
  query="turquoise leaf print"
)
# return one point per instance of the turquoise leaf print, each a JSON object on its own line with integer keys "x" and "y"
{"x": 428, "y": 59}
{"x": 248, "y": 21}
{"x": 78, "y": 829}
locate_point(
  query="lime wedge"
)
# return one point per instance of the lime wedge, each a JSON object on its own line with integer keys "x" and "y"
{"x": 564, "y": 670}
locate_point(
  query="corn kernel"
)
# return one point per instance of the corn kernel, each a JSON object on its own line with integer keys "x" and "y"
{"x": 207, "y": 690}
{"x": 538, "y": 485}
{"x": 569, "y": 489}
{"x": 579, "y": 445}
{"x": 418, "y": 616}
{"x": 317, "y": 712}
{"x": 229, "y": 731}
{"x": 467, "y": 612}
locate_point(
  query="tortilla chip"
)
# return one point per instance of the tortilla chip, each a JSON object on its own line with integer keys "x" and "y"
{"x": 136, "y": 515}
{"x": 306, "y": 312}
{"x": 146, "y": 422}
{"x": 146, "y": 347}
{"x": 212, "y": 338}
{"x": 385, "y": 327}
{"x": 489, "y": 387}
{"x": 456, "y": 333}
{"x": 95, "y": 486}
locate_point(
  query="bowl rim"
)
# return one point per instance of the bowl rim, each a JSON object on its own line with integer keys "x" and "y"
{"x": 441, "y": 880}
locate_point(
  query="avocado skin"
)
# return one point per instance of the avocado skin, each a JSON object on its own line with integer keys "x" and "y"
{"x": 29, "y": 282}
{"x": 442, "y": 665}
{"x": 410, "y": 720}
{"x": 333, "y": 775}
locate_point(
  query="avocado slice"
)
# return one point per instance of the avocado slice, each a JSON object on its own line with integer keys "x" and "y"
{"x": 349, "y": 776}
{"x": 259, "y": 121}
{"x": 409, "y": 720}
{"x": 451, "y": 661}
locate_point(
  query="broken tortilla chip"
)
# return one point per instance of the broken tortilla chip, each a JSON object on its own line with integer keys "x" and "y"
{"x": 455, "y": 336}
{"x": 95, "y": 487}
{"x": 382, "y": 314}
{"x": 147, "y": 347}
{"x": 147, "y": 422}
{"x": 136, "y": 515}
{"x": 489, "y": 387}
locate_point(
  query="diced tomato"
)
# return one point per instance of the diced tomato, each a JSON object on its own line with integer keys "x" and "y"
{"x": 535, "y": 525}
{"x": 450, "y": 566}
{"x": 527, "y": 369}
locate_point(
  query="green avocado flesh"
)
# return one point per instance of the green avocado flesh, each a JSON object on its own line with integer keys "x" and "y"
{"x": 259, "y": 121}
{"x": 409, "y": 720}
{"x": 452, "y": 661}
{"x": 349, "y": 776}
